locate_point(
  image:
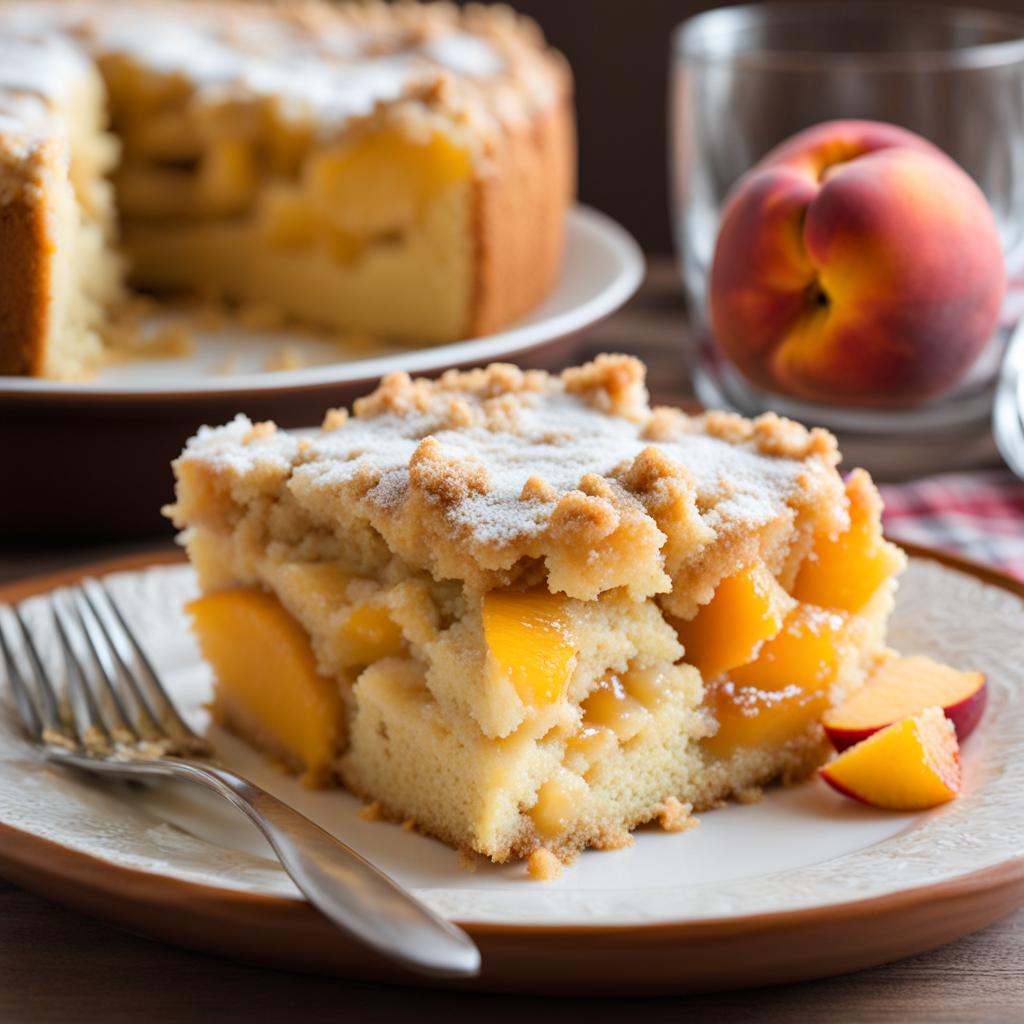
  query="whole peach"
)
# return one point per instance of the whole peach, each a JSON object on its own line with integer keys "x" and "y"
{"x": 856, "y": 263}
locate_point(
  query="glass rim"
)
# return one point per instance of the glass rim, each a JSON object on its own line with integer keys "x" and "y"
{"x": 720, "y": 20}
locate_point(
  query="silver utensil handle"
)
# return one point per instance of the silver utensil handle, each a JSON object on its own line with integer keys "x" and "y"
{"x": 341, "y": 884}
{"x": 1008, "y": 405}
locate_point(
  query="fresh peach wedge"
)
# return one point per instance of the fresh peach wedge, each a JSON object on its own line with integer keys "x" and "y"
{"x": 910, "y": 765}
{"x": 902, "y": 687}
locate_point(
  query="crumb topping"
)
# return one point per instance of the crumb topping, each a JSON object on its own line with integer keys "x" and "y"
{"x": 470, "y": 475}
{"x": 498, "y": 465}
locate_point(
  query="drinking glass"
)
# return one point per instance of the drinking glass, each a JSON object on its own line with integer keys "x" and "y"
{"x": 746, "y": 78}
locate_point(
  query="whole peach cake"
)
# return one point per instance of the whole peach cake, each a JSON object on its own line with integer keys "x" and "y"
{"x": 529, "y": 612}
{"x": 397, "y": 170}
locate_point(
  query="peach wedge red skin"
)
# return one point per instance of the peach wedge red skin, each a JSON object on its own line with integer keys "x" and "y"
{"x": 965, "y": 715}
{"x": 901, "y": 687}
{"x": 911, "y": 765}
{"x": 856, "y": 263}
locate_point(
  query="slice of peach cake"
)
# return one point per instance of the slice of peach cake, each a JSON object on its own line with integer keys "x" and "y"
{"x": 526, "y": 611}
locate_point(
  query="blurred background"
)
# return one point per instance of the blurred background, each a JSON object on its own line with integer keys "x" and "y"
{"x": 621, "y": 55}
{"x": 619, "y": 50}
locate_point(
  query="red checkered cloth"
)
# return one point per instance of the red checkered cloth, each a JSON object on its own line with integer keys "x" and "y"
{"x": 978, "y": 515}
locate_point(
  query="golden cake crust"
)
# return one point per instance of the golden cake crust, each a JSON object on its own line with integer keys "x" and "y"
{"x": 24, "y": 290}
{"x": 519, "y": 215}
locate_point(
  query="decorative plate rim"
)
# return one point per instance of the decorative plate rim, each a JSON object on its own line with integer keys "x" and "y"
{"x": 1009, "y": 872}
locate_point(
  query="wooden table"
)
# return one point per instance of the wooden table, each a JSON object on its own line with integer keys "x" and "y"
{"x": 59, "y": 966}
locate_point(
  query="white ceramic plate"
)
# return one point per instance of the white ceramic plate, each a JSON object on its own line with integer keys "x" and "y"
{"x": 801, "y": 850}
{"x": 603, "y": 268}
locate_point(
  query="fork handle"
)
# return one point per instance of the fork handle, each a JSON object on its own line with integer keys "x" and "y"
{"x": 341, "y": 884}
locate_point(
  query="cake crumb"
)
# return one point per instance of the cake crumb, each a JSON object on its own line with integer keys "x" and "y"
{"x": 335, "y": 418}
{"x": 288, "y": 357}
{"x": 229, "y": 364}
{"x": 372, "y": 812}
{"x": 675, "y": 816}
{"x": 260, "y": 431}
{"x": 537, "y": 489}
{"x": 170, "y": 341}
{"x": 543, "y": 865}
{"x": 469, "y": 860}
{"x": 613, "y": 841}
{"x": 750, "y": 795}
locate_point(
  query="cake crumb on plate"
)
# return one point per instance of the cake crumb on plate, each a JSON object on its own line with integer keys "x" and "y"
{"x": 543, "y": 865}
{"x": 675, "y": 816}
{"x": 372, "y": 812}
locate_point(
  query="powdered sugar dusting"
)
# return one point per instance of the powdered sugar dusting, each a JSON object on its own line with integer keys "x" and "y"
{"x": 334, "y": 72}
{"x": 558, "y": 439}
{"x": 230, "y": 448}
{"x": 33, "y": 74}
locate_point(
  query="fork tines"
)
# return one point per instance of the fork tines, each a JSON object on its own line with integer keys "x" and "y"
{"x": 104, "y": 697}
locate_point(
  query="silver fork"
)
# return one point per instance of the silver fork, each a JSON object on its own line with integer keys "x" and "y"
{"x": 114, "y": 717}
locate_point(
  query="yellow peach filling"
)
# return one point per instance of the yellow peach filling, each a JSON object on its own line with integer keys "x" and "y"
{"x": 228, "y": 178}
{"x": 751, "y": 717}
{"x": 346, "y": 610}
{"x": 746, "y": 609}
{"x": 369, "y": 634}
{"x": 806, "y": 652}
{"x": 784, "y": 690}
{"x": 558, "y": 803}
{"x": 845, "y": 570}
{"x": 267, "y": 683}
{"x": 590, "y": 742}
{"x": 374, "y": 188}
{"x": 616, "y": 710}
{"x": 529, "y": 643}
{"x": 611, "y": 705}
{"x": 778, "y": 694}
{"x": 769, "y": 660}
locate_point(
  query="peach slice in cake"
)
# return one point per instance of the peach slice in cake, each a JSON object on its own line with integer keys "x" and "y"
{"x": 249, "y": 637}
{"x": 545, "y": 612}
